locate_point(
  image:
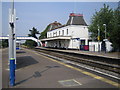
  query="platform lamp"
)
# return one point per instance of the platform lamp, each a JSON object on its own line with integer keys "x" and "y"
{"x": 105, "y": 30}
{"x": 98, "y": 38}
{"x": 105, "y": 36}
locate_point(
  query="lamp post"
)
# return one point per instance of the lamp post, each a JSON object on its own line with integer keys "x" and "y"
{"x": 105, "y": 30}
{"x": 105, "y": 36}
{"x": 98, "y": 38}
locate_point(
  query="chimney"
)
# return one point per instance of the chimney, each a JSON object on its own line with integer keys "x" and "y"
{"x": 76, "y": 19}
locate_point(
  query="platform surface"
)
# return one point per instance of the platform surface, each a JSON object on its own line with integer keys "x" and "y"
{"x": 115, "y": 55}
{"x": 37, "y": 71}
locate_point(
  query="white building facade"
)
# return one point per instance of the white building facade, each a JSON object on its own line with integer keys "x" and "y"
{"x": 70, "y": 36}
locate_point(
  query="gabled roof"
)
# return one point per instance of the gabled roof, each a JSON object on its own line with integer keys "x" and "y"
{"x": 54, "y": 25}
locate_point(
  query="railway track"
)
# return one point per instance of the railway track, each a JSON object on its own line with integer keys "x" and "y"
{"x": 94, "y": 64}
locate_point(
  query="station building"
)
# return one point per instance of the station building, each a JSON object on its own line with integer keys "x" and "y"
{"x": 73, "y": 35}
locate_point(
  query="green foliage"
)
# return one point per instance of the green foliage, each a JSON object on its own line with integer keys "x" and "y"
{"x": 4, "y": 43}
{"x": 104, "y": 16}
{"x": 44, "y": 33}
{"x": 30, "y": 43}
{"x": 112, "y": 20}
{"x": 33, "y": 33}
{"x": 115, "y": 33}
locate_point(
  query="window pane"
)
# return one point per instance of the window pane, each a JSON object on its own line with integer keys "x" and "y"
{"x": 62, "y": 32}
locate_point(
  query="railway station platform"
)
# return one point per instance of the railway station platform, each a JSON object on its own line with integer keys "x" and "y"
{"x": 114, "y": 55}
{"x": 37, "y": 71}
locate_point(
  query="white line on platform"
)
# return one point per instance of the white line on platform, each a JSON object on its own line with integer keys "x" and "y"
{"x": 77, "y": 82}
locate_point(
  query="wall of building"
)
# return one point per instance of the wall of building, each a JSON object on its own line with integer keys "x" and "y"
{"x": 77, "y": 33}
{"x": 58, "y": 32}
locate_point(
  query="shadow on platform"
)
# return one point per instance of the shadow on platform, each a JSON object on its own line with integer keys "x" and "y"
{"x": 25, "y": 61}
{"x": 19, "y": 52}
{"x": 37, "y": 74}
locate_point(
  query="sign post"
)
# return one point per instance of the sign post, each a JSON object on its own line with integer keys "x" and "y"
{"x": 12, "y": 44}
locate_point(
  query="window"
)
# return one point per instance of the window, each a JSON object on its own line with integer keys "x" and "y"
{"x": 48, "y": 35}
{"x": 62, "y": 32}
{"x": 67, "y": 31}
{"x": 56, "y": 33}
{"x": 53, "y": 34}
{"x": 59, "y": 33}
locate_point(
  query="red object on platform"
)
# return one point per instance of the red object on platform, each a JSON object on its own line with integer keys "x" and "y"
{"x": 43, "y": 44}
{"x": 86, "y": 47}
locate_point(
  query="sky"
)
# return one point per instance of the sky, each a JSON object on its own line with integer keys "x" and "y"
{"x": 40, "y": 14}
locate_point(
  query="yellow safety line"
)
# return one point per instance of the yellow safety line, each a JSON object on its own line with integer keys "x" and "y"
{"x": 84, "y": 72}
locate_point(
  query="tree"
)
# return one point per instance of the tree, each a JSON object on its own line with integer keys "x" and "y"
{"x": 44, "y": 33}
{"x": 112, "y": 20}
{"x": 4, "y": 43}
{"x": 33, "y": 33}
{"x": 30, "y": 43}
{"x": 115, "y": 34}
{"x": 104, "y": 16}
